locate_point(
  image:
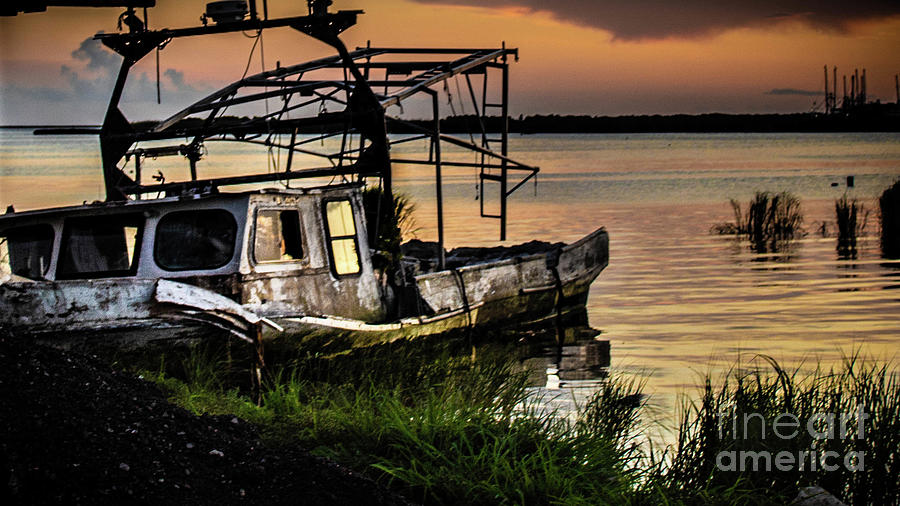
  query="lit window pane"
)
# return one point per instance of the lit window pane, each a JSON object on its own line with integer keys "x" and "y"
{"x": 340, "y": 218}
{"x": 342, "y": 234}
{"x": 346, "y": 260}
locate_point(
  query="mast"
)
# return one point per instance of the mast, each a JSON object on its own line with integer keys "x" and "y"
{"x": 138, "y": 42}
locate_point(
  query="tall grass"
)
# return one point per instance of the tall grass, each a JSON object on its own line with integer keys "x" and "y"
{"x": 388, "y": 226}
{"x": 889, "y": 204}
{"x": 739, "y": 416}
{"x": 433, "y": 423}
{"x": 851, "y": 218}
{"x": 769, "y": 220}
{"x": 443, "y": 427}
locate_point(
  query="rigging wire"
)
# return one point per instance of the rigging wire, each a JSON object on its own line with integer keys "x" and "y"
{"x": 462, "y": 106}
{"x": 158, "y": 93}
{"x": 271, "y": 162}
{"x": 252, "y": 49}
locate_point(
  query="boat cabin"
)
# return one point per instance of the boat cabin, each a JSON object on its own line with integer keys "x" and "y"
{"x": 277, "y": 252}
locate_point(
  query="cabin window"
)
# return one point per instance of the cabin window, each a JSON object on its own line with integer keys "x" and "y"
{"x": 100, "y": 246}
{"x": 342, "y": 237}
{"x": 277, "y": 236}
{"x": 25, "y": 251}
{"x": 195, "y": 240}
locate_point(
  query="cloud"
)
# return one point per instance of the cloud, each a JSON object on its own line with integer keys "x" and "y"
{"x": 660, "y": 19}
{"x": 176, "y": 77}
{"x": 793, "y": 91}
{"x": 86, "y": 85}
{"x": 96, "y": 56}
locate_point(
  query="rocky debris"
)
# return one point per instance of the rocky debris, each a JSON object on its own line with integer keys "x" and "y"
{"x": 77, "y": 432}
{"x": 816, "y": 496}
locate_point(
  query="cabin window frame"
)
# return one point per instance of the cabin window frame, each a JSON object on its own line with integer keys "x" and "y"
{"x": 4, "y": 237}
{"x": 192, "y": 212}
{"x": 329, "y": 239}
{"x": 135, "y": 260}
{"x": 301, "y": 236}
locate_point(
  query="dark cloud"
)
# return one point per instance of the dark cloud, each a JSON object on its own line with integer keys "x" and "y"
{"x": 793, "y": 91}
{"x": 658, "y": 19}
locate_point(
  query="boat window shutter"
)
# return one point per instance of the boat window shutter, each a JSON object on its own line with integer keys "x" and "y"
{"x": 100, "y": 246}
{"x": 342, "y": 237}
{"x": 277, "y": 236}
{"x": 25, "y": 251}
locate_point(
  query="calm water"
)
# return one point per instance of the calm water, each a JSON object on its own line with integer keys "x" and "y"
{"x": 675, "y": 301}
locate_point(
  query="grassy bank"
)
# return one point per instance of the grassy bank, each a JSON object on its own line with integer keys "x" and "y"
{"x": 445, "y": 426}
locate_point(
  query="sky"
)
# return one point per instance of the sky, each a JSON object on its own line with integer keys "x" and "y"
{"x": 593, "y": 57}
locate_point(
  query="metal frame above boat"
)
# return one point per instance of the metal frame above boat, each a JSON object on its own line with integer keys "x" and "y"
{"x": 362, "y": 125}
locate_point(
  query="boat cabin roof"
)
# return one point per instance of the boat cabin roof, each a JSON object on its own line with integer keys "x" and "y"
{"x": 212, "y": 234}
{"x": 16, "y": 218}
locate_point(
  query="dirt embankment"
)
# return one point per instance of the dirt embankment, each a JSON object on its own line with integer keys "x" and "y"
{"x": 75, "y": 431}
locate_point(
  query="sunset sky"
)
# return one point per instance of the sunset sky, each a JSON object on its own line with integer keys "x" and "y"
{"x": 577, "y": 56}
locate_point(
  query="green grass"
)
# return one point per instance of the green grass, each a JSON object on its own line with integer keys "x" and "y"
{"x": 442, "y": 427}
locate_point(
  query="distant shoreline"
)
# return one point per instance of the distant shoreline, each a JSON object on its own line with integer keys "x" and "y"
{"x": 885, "y": 120}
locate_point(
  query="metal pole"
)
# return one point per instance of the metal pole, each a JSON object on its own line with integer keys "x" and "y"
{"x": 137, "y": 173}
{"x": 834, "y": 90}
{"x": 844, "y": 101}
{"x": 504, "y": 144}
{"x": 863, "y": 98}
{"x": 436, "y": 143}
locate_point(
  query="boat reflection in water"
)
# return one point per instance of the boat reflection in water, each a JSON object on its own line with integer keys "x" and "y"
{"x": 564, "y": 373}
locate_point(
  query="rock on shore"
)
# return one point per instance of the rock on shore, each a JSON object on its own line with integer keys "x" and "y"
{"x": 74, "y": 431}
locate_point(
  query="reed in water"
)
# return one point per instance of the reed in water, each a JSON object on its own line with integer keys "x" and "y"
{"x": 851, "y": 218}
{"x": 769, "y": 221}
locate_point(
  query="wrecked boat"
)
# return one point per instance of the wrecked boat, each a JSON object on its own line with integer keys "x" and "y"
{"x": 175, "y": 260}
